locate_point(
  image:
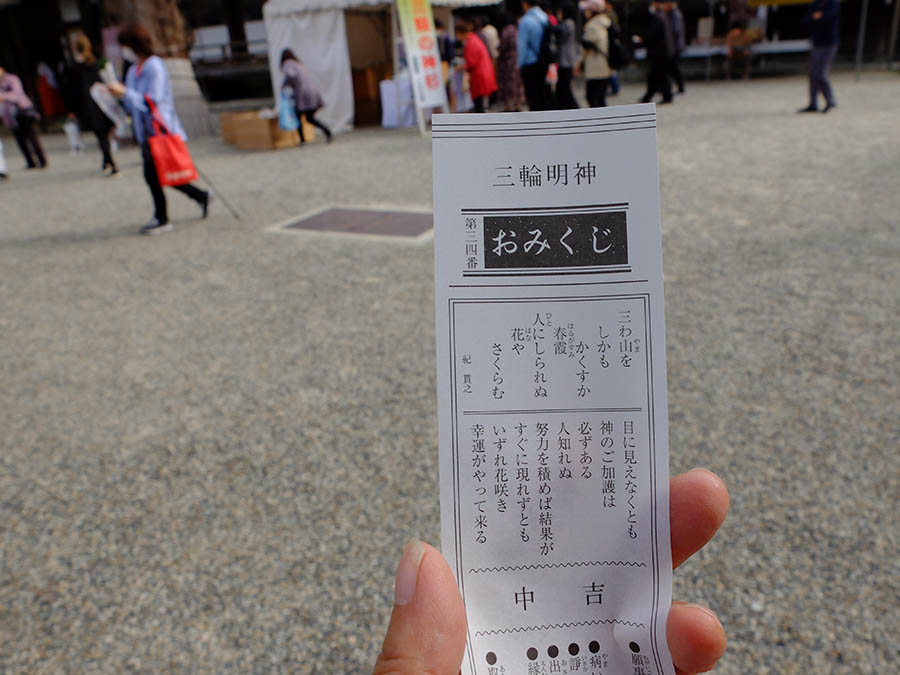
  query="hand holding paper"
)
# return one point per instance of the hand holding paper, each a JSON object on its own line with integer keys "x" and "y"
{"x": 427, "y": 633}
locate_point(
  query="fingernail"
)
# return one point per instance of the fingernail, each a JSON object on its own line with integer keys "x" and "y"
{"x": 408, "y": 571}
{"x": 705, "y": 610}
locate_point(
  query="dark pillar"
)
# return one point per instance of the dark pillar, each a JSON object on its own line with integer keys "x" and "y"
{"x": 234, "y": 17}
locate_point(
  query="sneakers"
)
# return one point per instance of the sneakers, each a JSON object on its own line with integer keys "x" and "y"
{"x": 156, "y": 227}
{"x": 204, "y": 205}
{"x": 110, "y": 171}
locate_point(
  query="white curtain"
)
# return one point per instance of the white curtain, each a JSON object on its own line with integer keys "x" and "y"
{"x": 319, "y": 39}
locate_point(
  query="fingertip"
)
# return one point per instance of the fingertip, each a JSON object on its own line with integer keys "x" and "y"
{"x": 696, "y": 637}
{"x": 698, "y": 503}
{"x": 715, "y": 488}
{"x": 427, "y": 632}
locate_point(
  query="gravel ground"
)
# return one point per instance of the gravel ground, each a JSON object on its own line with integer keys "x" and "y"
{"x": 215, "y": 443}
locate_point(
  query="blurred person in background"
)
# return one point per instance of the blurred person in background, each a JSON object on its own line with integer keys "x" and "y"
{"x": 660, "y": 43}
{"x": 613, "y": 87}
{"x": 509, "y": 79}
{"x": 149, "y": 78}
{"x": 306, "y": 94}
{"x": 595, "y": 41}
{"x": 531, "y": 32}
{"x": 675, "y": 19}
{"x": 478, "y": 64}
{"x": 568, "y": 56}
{"x": 77, "y": 82}
{"x": 491, "y": 37}
{"x": 823, "y": 18}
{"x": 20, "y": 115}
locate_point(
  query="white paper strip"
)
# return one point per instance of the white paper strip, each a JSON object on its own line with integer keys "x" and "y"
{"x": 552, "y": 389}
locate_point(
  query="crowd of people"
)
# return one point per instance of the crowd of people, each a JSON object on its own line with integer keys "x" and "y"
{"x": 509, "y": 61}
{"x": 533, "y": 59}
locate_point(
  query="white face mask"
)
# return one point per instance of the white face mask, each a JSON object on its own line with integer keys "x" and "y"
{"x": 129, "y": 55}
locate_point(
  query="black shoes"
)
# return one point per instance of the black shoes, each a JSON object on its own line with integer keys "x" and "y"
{"x": 812, "y": 108}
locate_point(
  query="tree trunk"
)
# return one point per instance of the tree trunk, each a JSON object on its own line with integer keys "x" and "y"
{"x": 237, "y": 35}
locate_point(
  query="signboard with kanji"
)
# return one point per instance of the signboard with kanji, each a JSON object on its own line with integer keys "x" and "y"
{"x": 422, "y": 55}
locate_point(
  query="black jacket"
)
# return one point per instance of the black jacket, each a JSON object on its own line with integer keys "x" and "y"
{"x": 824, "y": 30}
{"x": 76, "y": 84}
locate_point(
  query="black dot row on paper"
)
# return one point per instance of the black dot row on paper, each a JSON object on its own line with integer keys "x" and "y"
{"x": 553, "y": 651}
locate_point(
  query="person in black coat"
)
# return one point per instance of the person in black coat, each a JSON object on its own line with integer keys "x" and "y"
{"x": 823, "y": 18}
{"x": 659, "y": 39}
{"x": 77, "y": 82}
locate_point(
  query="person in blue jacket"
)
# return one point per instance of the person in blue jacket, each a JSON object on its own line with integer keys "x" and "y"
{"x": 149, "y": 77}
{"x": 531, "y": 32}
{"x": 823, "y": 17}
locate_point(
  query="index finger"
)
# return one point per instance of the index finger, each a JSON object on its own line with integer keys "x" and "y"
{"x": 698, "y": 503}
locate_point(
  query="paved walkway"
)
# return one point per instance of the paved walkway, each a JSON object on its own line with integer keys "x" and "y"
{"x": 215, "y": 443}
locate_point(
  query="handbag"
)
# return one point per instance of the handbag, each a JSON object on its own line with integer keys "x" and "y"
{"x": 173, "y": 162}
{"x": 287, "y": 116}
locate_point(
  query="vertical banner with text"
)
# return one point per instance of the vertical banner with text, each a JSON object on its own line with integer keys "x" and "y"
{"x": 422, "y": 55}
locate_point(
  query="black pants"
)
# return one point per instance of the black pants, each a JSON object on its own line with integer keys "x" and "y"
{"x": 533, "y": 77}
{"x": 674, "y": 71}
{"x": 478, "y": 101}
{"x": 564, "y": 97}
{"x": 103, "y": 140}
{"x": 311, "y": 118}
{"x": 596, "y": 92}
{"x": 28, "y": 141}
{"x": 819, "y": 65}
{"x": 658, "y": 80}
{"x": 159, "y": 198}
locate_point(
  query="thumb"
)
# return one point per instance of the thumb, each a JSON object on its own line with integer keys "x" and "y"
{"x": 427, "y": 633}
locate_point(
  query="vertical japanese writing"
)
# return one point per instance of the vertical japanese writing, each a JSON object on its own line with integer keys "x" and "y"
{"x": 627, "y": 344}
{"x": 467, "y": 376}
{"x": 608, "y": 478}
{"x": 497, "y": 351}
{"x": 585, "y": 438}
{"x": 630, "y": 478}
{"x": 478, "y": 475}
{"x": 564, "y": 446}
{"x": 501, "y": 472}
{"x": 540, "y": 377}
{"x": 522, "y": 480}
{"x": 471, "y": 243}
{"x": 603, "y": 347}
{"x": 545, "y": 515}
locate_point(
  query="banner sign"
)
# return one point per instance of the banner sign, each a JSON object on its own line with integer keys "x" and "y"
{"x": 422, "y": 55}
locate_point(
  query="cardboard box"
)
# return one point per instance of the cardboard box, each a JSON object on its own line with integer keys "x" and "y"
{"x": 250, "y": 132}
{"x": 226, "y": 124}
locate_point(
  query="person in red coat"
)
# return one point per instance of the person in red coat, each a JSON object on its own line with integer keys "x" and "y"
{"x": 479, "y": 65}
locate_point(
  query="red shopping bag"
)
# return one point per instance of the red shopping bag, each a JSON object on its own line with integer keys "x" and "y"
{"x": 173, "y": 162}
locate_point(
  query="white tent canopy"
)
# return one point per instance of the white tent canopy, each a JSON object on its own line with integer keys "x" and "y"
{"x": 316, "y": 31}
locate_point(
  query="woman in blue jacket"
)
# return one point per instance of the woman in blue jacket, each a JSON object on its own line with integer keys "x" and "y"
{"x": 149, "y": 77}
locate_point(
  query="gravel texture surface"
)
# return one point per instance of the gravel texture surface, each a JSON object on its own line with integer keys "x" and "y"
{"x": 216, "y": 442}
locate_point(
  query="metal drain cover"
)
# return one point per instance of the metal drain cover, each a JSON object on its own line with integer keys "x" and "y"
{"x": 366, "y": 221}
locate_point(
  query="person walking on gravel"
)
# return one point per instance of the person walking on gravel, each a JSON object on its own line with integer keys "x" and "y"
{"x": 19, "y": 114}
{"x": 305, "y": 92}
{"x": 823, "y": 18}
{"x": 148, "y": 78}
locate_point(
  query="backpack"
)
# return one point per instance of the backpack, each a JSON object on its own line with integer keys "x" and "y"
{"x": 618, "y": 56}
{"x": 551, "y": 39}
